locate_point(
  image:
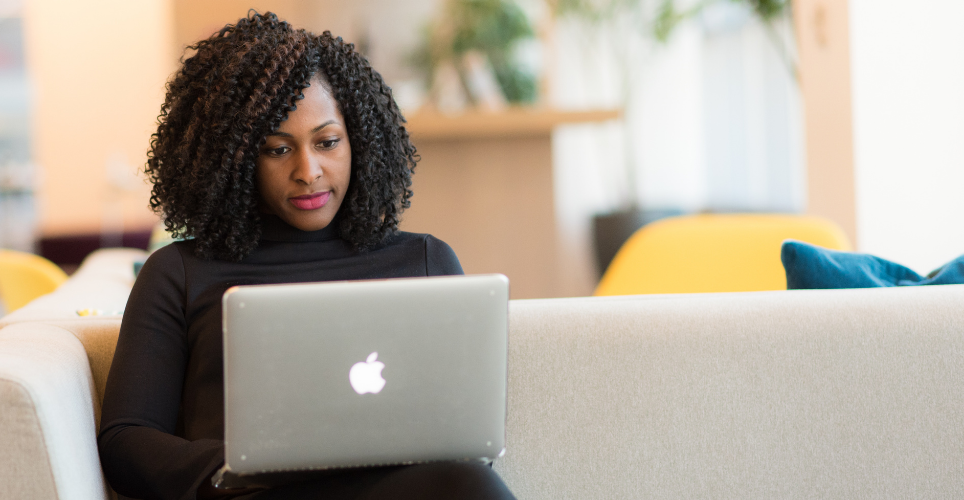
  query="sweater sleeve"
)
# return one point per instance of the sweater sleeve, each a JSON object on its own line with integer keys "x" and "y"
{"x": 139, "y": 452}
{"x": 440, "y": 259}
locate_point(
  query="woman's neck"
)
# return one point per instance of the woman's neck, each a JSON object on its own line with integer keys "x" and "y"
{"x": 273, "y": 228}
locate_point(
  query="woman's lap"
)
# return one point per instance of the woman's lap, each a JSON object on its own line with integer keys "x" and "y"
{"x": 442, "y": 480}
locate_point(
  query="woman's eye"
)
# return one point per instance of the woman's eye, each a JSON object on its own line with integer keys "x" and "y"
{"x": 278, "y": 151}
{"x": 328, "y": 143}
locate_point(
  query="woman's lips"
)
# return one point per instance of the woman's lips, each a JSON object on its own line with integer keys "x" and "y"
{"x": 310, "y": 201}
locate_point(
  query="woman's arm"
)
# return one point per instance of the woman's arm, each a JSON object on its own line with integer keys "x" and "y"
{"x": 139, "y": 452}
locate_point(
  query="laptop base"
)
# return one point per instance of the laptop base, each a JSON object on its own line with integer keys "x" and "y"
{"x": 226, "y": 479}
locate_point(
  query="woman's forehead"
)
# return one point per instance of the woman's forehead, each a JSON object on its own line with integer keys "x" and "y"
{"x": 318, "y": 108}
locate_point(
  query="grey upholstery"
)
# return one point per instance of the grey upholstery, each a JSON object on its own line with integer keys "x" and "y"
{"x": 47, "y": 429}
{"x": 801, "y": 394}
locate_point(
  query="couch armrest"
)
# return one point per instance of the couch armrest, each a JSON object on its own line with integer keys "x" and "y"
{"x": 98, "y": 335}
{"x": 47, "y": 429}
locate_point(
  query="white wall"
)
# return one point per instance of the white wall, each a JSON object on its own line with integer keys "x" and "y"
{"x": 908, "y": 93}
{"x": 99, "y": 69}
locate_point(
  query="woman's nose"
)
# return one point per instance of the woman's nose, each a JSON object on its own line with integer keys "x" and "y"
{"x": 307, "y": 169}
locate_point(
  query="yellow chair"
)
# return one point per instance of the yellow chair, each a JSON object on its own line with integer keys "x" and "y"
{"x": 713, "y": 253}
{"x": 25, "y": 276}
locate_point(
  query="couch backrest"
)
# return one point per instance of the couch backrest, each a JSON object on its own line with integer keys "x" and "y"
{"x": 824, "y": 393}
{"x": 100, "y": 286}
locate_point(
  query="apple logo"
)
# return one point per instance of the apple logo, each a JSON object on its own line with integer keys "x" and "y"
{"x": 366, "y": 376}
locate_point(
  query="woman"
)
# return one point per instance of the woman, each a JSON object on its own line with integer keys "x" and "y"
{"x": 280, "y": 156}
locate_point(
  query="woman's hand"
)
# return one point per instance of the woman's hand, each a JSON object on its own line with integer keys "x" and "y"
{"x": 208, "y": 491}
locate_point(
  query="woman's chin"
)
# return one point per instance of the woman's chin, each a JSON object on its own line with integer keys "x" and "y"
{"x": 308, "y": 220}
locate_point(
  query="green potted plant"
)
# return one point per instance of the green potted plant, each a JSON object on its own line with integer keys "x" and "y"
{"x": 472, "y": 45}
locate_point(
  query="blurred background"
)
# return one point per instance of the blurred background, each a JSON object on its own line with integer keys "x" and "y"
{"x": 548, "y": 129}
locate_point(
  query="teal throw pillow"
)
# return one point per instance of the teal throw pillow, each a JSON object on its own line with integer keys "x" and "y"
{"x": 810, "y": 266}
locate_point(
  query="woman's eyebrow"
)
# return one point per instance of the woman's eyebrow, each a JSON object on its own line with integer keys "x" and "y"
{"x": 279, "y": 133}
{"x": 323, "y": 125}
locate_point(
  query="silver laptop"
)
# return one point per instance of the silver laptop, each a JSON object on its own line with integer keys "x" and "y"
{"x": 363, "y": 373}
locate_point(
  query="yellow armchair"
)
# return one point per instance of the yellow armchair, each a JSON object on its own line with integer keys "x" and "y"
{"x": 25, "y": 276}
{"x": 713, "y": 253}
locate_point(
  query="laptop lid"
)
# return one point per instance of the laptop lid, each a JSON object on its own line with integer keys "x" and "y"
{"x": 360, "y": 373}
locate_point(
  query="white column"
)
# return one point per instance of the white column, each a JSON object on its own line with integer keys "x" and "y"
{"x": 908, "y": 108}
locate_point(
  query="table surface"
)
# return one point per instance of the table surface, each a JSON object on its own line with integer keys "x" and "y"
{"x": 511, "y": 122}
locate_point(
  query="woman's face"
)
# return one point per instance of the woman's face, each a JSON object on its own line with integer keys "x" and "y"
{"x": 304, "y": 167}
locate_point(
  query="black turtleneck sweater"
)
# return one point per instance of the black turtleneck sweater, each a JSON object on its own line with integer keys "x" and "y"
{"x": 162, "y": 424}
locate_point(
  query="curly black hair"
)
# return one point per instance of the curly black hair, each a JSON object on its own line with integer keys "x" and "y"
{"x": 237, "y": 87}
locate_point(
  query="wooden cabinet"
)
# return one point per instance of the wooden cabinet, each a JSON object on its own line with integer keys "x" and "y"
{"x": 484, "y": 185}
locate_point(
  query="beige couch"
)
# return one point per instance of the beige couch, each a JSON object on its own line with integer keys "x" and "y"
{"x": 803, "y": 394}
